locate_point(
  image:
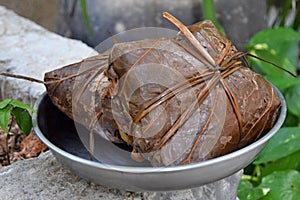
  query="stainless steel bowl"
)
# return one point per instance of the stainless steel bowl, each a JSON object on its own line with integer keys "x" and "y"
{"x": 116, "y": 169}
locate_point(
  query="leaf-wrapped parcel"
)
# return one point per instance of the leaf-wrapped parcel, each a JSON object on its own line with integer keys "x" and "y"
{"x": 164, "y": 98}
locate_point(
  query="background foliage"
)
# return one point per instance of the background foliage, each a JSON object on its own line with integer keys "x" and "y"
{"x": 275, "y": 174}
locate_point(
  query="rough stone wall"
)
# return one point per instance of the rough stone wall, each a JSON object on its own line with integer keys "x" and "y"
{"x": 241, "y": 19}
{"x": 30, "y": 50}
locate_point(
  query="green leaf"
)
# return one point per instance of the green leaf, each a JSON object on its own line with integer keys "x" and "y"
{"x": 289, "y": 162}
{"x": 282, "y": 40}
{"x": 4, "y": 103}
{"x": 282, "y": 185}
{"x": 293, "y": 98}
{"x": 279, "y": 46}
{"x": 279, "y": 34}
{"x": 23, "y": 119}
{"x": 291, "y": 120}
{"x": 246, "y": 191}
{"x": 284, "y": 143}
{"x": 4, "y": 117}
{"x": 22, "y": 105}
{"x": 278, "y": 77}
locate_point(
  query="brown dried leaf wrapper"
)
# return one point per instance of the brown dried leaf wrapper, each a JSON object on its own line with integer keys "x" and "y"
{"x": 174, "y": 106}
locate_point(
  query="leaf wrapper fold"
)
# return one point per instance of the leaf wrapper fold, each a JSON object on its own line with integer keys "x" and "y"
{"x": 165, "y": 100}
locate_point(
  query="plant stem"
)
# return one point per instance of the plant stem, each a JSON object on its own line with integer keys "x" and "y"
{"x": 7, "y": 150}
{"x": 6, "y": 141}
{"x": 209, "y": 12}
{"x": 86, "y": 19}
{"x": 249, "y": 178}
{"x": 297, "y": 21}
{"x": 285, "y": 11}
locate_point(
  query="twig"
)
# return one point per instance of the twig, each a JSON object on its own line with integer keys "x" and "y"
{"x": 21, "y": 77}
{"x": 7, "y": 148}
{"x": 189, "y": 36}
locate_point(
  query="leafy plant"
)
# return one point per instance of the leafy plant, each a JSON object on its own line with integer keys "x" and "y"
{"x": 20, "y": 111}
{"x": 275, "y": 174}
{"x": 287, "y": 13}
{"x": 15, "y": 110}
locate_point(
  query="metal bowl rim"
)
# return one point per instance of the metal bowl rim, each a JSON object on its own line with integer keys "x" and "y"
{"x": 129, "y": 169}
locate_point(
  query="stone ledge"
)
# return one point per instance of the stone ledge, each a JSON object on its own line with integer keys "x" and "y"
{"x": 45, "y": 178}
{"x": 30, "y": 50}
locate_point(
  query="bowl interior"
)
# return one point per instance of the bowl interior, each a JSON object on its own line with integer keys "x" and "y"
{"x": 114, "y": 166}
{"x": 62, "y": 132}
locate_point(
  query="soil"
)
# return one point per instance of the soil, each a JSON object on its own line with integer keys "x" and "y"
{"x": 17, "y": 146}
